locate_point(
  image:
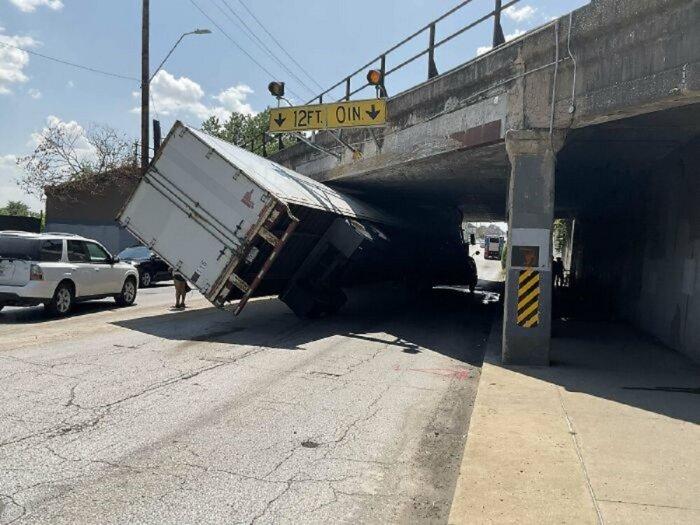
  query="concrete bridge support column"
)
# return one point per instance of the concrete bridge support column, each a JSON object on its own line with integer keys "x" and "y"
{"x": 528, "y": 298}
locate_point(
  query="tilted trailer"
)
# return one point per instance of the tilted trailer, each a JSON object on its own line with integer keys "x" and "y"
{"x": 236, "y": 224}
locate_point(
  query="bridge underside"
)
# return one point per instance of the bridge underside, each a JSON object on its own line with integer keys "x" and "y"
{"x": 632, "y": 188}
{"x": 618, "y": 83}
{"x": 476, "y": 180}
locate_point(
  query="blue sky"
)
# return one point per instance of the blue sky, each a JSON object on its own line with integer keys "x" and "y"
{"x": 207, "y": 74}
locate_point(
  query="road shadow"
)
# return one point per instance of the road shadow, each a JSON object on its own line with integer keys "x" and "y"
{"x": 38, "y": 314}
{"x": 452, "y": 322}
{"x": 159, "y": 284}
{"x": 614, "y": 361}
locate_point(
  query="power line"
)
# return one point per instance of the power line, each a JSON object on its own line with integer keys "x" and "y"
{"x": 242, "y": 50}
{"x": 72, "y": 64}
{"x": 261, "y": 44}
{"x": 301, "y": 68}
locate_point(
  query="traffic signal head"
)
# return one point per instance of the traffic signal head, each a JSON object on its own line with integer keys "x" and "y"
{"x": 276, "y": 89}
{"x": 374, "y": 77}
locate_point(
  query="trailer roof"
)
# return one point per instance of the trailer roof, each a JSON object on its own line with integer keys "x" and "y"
{"x": 287, "y": 185}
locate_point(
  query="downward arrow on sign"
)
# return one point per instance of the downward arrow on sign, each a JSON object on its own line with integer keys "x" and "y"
{"x": 373, "y": 114}
{"x": 280, "y": 120}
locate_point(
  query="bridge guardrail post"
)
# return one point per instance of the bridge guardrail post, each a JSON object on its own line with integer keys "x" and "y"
{"x": 382, "y": 70}
{"x": 432, "y": 68}
{"x": 498, "y": 37}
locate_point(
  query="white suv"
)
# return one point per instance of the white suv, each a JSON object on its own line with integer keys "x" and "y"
{"x": 58, "y": 269}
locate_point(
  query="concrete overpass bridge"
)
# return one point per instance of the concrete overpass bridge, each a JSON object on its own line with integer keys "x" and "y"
{"x": 593, "y": 116}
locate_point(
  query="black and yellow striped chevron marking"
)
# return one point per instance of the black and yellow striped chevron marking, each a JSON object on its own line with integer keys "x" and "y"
{"x": 528, "y": 298}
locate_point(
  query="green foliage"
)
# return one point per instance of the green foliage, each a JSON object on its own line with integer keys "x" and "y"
{"x": 18, "y": 209}
{"x": 561, "y": 234}
{"x": 245, "y": 130}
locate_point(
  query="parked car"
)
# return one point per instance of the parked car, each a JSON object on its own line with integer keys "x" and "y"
{"x": 151, "y": 268}
{"x": 60, "y": 269}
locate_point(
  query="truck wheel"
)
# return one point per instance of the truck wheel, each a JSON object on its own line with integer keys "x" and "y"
{"x": 146, "y": 279}
{"x": 62, "y": 300}
{"x": 128, "y": 293}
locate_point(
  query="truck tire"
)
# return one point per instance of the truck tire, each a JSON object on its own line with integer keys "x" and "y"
{"x": 128, "y": 294}
{"x": 62, "y": 301}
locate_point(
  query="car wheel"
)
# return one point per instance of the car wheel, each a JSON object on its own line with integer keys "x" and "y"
{"x": 128, "y": 293}
{"x": 146, "y": 279}
{"x": 62, "y": 300}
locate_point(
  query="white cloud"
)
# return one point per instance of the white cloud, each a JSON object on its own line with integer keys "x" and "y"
{"x": 184, "y": 97}
{"x": 34, "y": 93}
{"x": 82, "y": 147}
{"x": 515, "y": 34}
{"x": 13, "y": 61}
{"x": 233, "y": 99}
{"x": 29, "y": 6}
{"x": 520, "y": 14}
{"x": 70, "y": 84}
{"x": 10, "y": 172}
{"x": 510, "y": 36}
{"x": 9, "y": 190}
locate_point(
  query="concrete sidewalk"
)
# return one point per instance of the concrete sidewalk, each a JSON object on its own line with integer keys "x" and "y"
{"x": 610, "y": 433}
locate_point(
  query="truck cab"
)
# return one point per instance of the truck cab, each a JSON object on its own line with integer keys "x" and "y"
{"x": 493, "y": 247}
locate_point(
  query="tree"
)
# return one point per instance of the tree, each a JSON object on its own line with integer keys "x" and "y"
{"x": 67, "y": 153}
{"x": 19, "y": 209}
{"x": 489, "y": 229}
{"x": 245, "y": 130}
{"x": 561, "y": 235}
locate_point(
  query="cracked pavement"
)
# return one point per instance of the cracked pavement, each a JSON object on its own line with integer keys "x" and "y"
{"x": 145, "y": 414}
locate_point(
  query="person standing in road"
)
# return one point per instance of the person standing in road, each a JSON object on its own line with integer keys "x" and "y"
{"x": 181, "y": 289}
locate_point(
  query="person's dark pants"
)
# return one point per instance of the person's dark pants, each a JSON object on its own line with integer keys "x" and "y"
{"x": 180, "y": 292}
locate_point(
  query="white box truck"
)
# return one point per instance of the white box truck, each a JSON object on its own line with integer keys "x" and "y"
{"x": 234, "y": 223}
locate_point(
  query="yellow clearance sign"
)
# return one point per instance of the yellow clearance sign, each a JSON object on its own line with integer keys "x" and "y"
{"x": 352, "y": 114}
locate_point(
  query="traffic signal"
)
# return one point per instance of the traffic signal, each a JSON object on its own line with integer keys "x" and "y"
{"x": 374, "y": 77}
{"x": 276, "y": 89}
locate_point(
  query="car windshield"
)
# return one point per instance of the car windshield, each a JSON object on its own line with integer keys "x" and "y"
{"x": 12, "y": 247}
{"x": 135, "y": 252}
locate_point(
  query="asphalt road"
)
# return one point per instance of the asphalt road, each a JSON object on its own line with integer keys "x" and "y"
{"x": 146, "y": 414}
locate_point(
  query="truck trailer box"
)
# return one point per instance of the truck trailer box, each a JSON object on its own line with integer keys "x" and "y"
{"x": 233, "y": 223}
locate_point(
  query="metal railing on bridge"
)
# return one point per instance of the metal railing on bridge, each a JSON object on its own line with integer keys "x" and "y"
{"x": 260, "y": 144}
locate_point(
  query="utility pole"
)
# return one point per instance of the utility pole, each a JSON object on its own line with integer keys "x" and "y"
{"x": 145, "y": 81}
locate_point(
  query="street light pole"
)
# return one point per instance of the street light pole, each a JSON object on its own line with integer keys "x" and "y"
{"x": 195, "y": 32}
{"x": 145, "y": 81}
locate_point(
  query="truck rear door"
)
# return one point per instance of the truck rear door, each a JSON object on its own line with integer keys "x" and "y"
{"x": 194, "y": 210}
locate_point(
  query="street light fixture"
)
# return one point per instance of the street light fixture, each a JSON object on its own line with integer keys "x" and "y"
{"x": 195, "y": 32}
{"x": 146, "y": 93}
